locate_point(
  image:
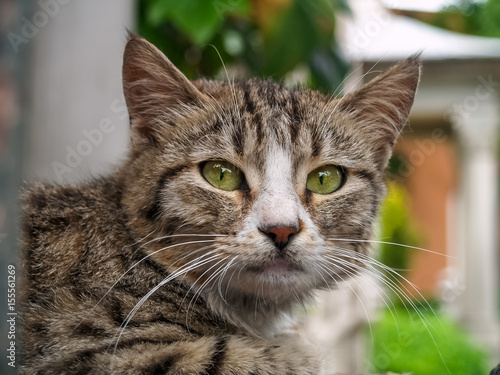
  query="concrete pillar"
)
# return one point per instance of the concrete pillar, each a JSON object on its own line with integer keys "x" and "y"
{"x": 478, "y": 225}
{"x": 79, "y": 124}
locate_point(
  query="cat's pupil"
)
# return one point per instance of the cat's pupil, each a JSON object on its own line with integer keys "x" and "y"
{"x": 321, "y": 177}
{"x": 221, "y": 176}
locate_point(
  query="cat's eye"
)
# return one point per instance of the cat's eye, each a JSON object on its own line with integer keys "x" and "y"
{"x": 222, "y": 175}
{"x": 325, "y": 179}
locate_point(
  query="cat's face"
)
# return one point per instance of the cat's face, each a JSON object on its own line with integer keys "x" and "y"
{"x": 265, "y": 189}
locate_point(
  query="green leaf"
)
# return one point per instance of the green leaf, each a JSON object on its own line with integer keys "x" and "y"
{"x": 226, "y": 8}
{"x": 198, "y": 19}
{"x": 157, "y": 11}
{"x": 296, "y": 34}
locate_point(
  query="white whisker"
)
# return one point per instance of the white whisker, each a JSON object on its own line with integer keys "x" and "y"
{"x": 221, "y": 278}
{"x": 390, "y": 243}
{"x": 184, "y": 235}
{"x": 139, "y": 304}
{"x": 200, "y": 289}
{"x": 393, "y": 272}
{"x": 372, "y": 273}
{"x": 378, "y": 290}
{"x": 143, "y": 238}
{"x": 137, "y": 263}
{"x": 355, "y": 83}
{"x": 327, "y": 268}
{"x": 402, "y": 290}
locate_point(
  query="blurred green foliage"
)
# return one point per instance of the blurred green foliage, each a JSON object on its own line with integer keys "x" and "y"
{"x": 268, "y": 38}
{"x": 470, "y": 17}
{"x": 396, "y": 226}
{"x": 429, "y": 344}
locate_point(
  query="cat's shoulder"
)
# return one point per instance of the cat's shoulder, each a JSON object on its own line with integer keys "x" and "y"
{"x": 49, "y": 210}
{"x": 47, "y": 200}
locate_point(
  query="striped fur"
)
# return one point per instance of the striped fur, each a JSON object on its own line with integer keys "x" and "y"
{"x": 93, "y": 252}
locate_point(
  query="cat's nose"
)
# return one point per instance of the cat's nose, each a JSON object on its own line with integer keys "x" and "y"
{"x": 281, "y": 236}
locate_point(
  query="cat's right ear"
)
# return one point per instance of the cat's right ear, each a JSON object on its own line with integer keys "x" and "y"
{"x": 153, "y": 88}
{"x": 381, "y": 107}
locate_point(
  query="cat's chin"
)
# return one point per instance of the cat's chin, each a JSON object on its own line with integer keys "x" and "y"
{"x": 261, "y": 298}
{"x": 274, "y": 281}
{"x": 276, "y": 267}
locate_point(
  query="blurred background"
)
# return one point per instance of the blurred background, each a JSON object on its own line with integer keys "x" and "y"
{"x": 430, "y": 301}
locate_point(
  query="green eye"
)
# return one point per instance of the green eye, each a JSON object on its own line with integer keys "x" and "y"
{"x": 222, "y": 175}
{"x": 325, "y": 180}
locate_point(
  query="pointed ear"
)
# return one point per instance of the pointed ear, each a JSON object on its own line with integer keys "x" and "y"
{"x": 153, "y": 87}
{"x": 381, "y": 107}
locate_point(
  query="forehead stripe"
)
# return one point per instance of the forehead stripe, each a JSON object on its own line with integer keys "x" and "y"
{"x": 294, "y": 118}
{"x": 238, "y": 138}
{"x": 249, "y": 105}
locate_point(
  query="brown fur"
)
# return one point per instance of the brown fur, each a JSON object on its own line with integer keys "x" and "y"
{"x": 81, "y": 240}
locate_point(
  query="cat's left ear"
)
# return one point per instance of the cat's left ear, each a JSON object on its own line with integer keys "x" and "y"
{"x": 381, "y": 107}
{"x": 153, "y": 88}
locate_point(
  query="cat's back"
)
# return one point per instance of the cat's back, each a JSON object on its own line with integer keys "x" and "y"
{"x": 65, "y": 227}
{"x": 83, "y": 273}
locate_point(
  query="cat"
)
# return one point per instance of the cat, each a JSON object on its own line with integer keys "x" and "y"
{"x": 191, "y": 257}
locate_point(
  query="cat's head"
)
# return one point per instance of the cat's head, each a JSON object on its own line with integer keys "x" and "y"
{"x": 257, "y": 189}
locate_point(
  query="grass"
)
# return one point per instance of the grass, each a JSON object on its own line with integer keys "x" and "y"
{"x": 403, "y": 344}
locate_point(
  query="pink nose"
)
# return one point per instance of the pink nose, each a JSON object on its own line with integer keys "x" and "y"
{"x": 281, "y": 236}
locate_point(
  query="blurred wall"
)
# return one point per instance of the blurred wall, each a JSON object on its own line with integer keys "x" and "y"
{"x": 78, "y": 120}
{"x": 13, "y": 86}
{"x": 432, "y": 186}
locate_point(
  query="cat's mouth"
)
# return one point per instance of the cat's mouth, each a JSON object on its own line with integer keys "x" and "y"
{"x": 277, "y": 266}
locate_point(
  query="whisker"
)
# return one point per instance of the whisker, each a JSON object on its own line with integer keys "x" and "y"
{"x": 143, "y": 238}
{"x": 327, "y": 268}
{"x": 205, "y": 283}
{"x": 391, "y": 243}
{"x": 299, "y": 301}
{"x": 169, "y": 278}
{"x": 355, "y": 83}
{"x": 229, "y": 281}
{"x": 386, "y": 281}
{"x": 389, "y": 283}
{"x": 333, "y": 96}
{"x": 403, "y": 292}
{"x": 135, "y": 265}
{"x": 184, "y": 235}
{"x": 393, "y": 272}
{"x": 200, "y": 289}
{"x": 372, "y": 273}
{"x": 222, "y": 116}
{"x": 221, "y": 278}
{"x": 340, "y": 87}
{"x": 379, "y": 289}
{"x": 232, "y": 86}
{"x": 370, "y": 262}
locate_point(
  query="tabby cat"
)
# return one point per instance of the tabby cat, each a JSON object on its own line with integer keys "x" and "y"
{"x": 233, "y": 206}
